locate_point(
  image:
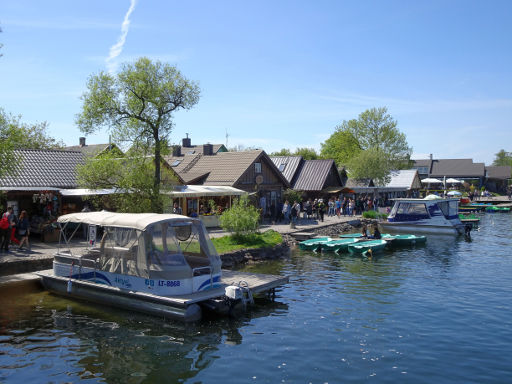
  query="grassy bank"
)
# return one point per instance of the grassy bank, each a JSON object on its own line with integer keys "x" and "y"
{"x": 258, "y": 240}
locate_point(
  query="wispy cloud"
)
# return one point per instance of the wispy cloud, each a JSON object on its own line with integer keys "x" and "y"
{"x": 117, "y": 48}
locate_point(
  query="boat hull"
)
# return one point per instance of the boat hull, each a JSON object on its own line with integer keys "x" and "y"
{"x": 419, "y": 228}
{"x": 365, "y": 246}
{"x": 113, "y": 296}
{"x": 313, "y": 244}
{"x": 400, "y": 240}
{"x": 338, "y": 245}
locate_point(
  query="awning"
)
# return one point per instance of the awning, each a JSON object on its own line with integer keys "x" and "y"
{"x": 205, "y": 190}
{"x": 30, "y": 189}
{"x": 332, "y": 189}
{"x": 87, "y": 192}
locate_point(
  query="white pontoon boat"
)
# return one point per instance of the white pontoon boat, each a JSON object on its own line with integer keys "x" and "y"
{"x": 147, "y": 262}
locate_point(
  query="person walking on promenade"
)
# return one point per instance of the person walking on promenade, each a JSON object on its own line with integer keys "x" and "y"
{"x": 5, "y": 229}
{"x": 337, "y": 204}
{"x": 23, "y": 230}
{"x": 321, "y": 209}
{"x": 330, "y": 205}
{"x": 286, "y": 211}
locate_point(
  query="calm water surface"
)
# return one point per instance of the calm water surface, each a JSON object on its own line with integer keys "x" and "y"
{"x": 431, "y": 314}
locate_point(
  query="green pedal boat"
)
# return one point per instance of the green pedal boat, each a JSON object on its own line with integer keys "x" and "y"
{"x": 497, "y": 209}
{"x": 406, "y": 239}
{"x": 340, "y": 245}
{"x": 365, "y": 246}
{"x": 313, "y": 244}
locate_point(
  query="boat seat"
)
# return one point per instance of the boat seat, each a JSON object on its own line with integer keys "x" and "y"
{"x": 197, "y": 261}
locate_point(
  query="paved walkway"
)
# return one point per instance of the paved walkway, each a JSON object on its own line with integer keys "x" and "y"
{"x": 42, "y": 253}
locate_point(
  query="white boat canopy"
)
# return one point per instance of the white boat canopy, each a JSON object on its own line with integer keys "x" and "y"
{"x": 138, "y": 221}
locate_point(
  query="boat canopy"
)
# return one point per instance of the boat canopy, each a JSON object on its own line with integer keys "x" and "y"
{"x": 138, "y": 221}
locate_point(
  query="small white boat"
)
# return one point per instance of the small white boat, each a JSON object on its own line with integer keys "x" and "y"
{"x": 160, "y": 264}
{"x": 433, "y": 214}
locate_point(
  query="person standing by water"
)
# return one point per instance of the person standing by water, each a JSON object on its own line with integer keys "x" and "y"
{"x": 5, "y": 233}
{"x": 286, "y": 211}
{"x": 23, "y": 230}
{"x": 321, "y": 209}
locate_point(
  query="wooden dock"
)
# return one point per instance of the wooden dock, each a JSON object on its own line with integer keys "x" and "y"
{"x": 182, "y": 307}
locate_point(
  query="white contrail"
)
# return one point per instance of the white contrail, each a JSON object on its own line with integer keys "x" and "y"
{"x": 117, "y": 48}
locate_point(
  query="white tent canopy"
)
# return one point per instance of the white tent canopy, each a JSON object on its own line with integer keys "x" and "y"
{"x": 87, "y": 192}
{"x": 205, "y": 190}
{"x": 181, "y": 191}
{"x": 453, "y": 181}
{"x": 431, "y": 180}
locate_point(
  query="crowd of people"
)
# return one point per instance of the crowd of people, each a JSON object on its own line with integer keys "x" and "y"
{"x": 14, "y": 231}
{"x": 317, "y": 209}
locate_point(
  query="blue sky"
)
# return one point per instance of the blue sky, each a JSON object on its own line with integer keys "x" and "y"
{"x": 277, "y": 74}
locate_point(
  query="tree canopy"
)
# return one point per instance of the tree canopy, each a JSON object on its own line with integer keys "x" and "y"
{"x": 15, "y": 134}
{"x": 306, "y": 153}
{"x": 130, "y": 176}
{"x": 136, "y": 106}
{"x": 369, "y": 146}
{"x": 503, "y": 158}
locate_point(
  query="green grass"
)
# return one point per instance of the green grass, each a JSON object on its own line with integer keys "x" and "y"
{"x": 374, "y": 215}
{"x": 230, "y": 243}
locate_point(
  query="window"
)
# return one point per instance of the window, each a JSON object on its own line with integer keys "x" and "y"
{"x": 175, "y": 163}
{"x": 282, "y": 167}
{"x": 257, "y": 167}
{"x": 191, "y": 152}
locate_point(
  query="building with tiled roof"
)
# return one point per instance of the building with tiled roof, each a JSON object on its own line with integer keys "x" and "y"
{"x": 250, "y": 171}
{"x": 91, "y": 149}
{"x": 43, "y": 169}
{"x": 313, "y": 177}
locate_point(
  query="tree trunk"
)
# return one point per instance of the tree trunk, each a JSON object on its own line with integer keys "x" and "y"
{"x": 156, "y": 201}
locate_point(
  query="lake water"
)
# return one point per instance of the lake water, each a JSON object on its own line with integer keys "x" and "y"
{"x": 438, "y": 313}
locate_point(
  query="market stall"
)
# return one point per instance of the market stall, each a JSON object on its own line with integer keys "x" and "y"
{"x": 205, "y": 202}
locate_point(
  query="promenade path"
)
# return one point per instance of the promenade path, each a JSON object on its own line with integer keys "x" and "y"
{"x": 41, "y": 254}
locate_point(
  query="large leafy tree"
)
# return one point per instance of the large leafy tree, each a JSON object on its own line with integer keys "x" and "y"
{"x": 136, "y": 105}
{"x": 369, "y": 146}
{"x": 341, "y": 146}
{"x": 15, "y": 134}
{"x": 503, "y": 158}
{"x": 130, "y": 177}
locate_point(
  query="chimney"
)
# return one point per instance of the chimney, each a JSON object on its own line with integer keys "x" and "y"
{"x": 187, "y": 142}
{"x": 82, "y": 141}
{"x": 431, "y": 157}
{"x": 207, "y": 149}
{"x": 176, "y": 150}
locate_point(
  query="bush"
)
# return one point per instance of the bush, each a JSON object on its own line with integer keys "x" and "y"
{"x": 241, "y": 219}
{"x": 370, "y": 214}
{"x": 374, "y": 215}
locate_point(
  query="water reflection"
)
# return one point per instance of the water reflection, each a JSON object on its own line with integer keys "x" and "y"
{"x": 73, "y": 340}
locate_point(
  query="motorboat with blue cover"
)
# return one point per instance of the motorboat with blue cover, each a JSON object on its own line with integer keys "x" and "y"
{"x": 433, "y": 214}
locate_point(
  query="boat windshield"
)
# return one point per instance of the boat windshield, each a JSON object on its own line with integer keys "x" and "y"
{"x": 179, "y": 244}
{"x": 407, "y": 210}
